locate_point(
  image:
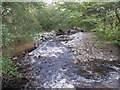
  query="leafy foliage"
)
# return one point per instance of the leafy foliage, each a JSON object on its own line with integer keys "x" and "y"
{"x": 102, "y": 18}
{"x": 9, "y": 70}
{"x": 31, "y": 18}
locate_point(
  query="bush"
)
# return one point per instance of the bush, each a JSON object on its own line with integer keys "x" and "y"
{"x": 9, "y": 70}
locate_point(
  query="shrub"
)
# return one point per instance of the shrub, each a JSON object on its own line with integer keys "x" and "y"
{"x": 9, "y": 70}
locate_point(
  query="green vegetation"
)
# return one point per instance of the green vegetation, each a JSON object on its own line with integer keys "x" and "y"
{"x": 22, "y": 20}
{"x": 26, "y": 19}
{"x": 9, "y": 70}
{"x": 102, "y": 18}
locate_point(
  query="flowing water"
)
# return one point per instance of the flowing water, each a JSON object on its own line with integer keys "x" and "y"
{"x": 52, "y": 65}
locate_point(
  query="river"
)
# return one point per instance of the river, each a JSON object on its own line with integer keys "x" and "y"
{"x": 73, "y": 61}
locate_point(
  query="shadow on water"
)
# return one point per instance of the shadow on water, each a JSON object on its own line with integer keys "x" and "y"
{"x": 99, "y": 67}
{"x": 106, "y": 73}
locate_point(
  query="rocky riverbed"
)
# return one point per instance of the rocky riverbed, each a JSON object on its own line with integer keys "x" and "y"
{"x": 72, "y": 61}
